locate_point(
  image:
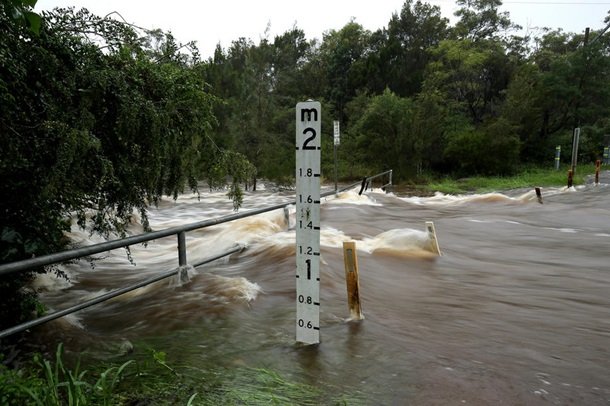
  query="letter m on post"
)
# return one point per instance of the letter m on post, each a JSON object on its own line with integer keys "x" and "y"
{"x": 309, "y": 113}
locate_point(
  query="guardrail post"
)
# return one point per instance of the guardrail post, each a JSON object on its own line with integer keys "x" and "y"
{"x": 538, "y": 195}
{"x": 182, "y": 248}
{"x": 287, "y": 216}
{"x": 362, "y": 186}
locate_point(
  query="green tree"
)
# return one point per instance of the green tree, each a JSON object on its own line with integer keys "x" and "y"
{"x": 430, "y": 125}
{"x": 471, "y": 75}
{"x": 384, "y": 135}
{"x": 564, "y": 84}
{"x": 410, "y": 35}
{"x": 341, "y": 56}
{"x": 523, "y": 109}
{"x": 20, "y": 11}
{"x": 93, "y": 124}
{"x": 482, "y": 19}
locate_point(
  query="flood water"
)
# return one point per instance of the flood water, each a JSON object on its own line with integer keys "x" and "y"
{"x": 516, "y": 311}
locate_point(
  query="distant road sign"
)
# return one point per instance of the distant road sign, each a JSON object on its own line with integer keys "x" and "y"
{"x": 336, "y": 132}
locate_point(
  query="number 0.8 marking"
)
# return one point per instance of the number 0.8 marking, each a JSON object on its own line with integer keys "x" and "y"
{"x": 307, "y": 300}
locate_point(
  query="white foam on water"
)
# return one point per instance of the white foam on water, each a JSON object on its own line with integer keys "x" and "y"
{"x": 244, "y": 231}
{"x": 183, "y": 276}
{"x": 487, "y": 221}
{"x": 332, "y": 237}
{"x": 50, "y": 282}
{"x": 564, "y": 230}
{"x": 352, "y": 197}
{"x": 329, "y": 237}
{"x": 480, "y": 221}
{"x": 441, "y": 199}
{"x": 67, "y": 322}
{"x": 396, "y": 239}
{"x": 74, "y": 320}
{"x": 446, "y": 199}
{"x": 231, "y": 289}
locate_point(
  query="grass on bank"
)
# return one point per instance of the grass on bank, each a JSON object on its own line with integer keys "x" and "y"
{"x": 150, "y": 380}
{"x": 532, "y": 177}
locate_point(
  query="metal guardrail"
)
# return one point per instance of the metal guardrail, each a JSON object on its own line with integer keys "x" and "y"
{"x": 108, "y": 296}
{"x": 179, "y": 231}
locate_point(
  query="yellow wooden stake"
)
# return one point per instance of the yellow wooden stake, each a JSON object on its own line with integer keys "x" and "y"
{"x": 351, "y": 279}
{"x": 432, "y": 238}
{"x": 598, "y": 165}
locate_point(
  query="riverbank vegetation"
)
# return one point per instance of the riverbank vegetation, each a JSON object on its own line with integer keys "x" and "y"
{"x": 527, "y": 178}
{"x": 149, "y": 378}
{"x": 100, "y": 118}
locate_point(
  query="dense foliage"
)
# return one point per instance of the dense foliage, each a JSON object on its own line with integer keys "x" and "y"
{"x": 99, "y": 118}
{"x": 419, "y": 95}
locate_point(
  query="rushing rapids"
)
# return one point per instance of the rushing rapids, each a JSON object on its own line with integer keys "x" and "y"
{"x": 516, "y": 311}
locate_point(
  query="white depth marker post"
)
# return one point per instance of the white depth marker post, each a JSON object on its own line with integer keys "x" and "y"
{"x": 337, "y": 141}
{"x": 308, "y": 135}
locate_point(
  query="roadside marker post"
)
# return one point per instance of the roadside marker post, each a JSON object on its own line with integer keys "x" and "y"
{"x": 557, "y": 157}
{"x": 572, "y": 170}
{"x": 308, "y": 135}
{"x": 352, "y": 280}
{"x": 598, "y": 165}
{"x": 432, "y": 238}
{"x": 336, "y": 143}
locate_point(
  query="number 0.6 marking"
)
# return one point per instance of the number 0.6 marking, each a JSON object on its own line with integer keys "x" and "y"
{"x": 305, "y": 299}
{"x": 301, "y": 323}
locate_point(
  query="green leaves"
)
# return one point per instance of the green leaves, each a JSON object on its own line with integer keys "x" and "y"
{"x": 93, "y": 129}
{"x": 385, "y": 133}
{"x": 19, "y": 11}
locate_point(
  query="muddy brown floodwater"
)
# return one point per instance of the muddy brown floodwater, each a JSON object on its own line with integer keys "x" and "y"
{"x": 515, "y": 312}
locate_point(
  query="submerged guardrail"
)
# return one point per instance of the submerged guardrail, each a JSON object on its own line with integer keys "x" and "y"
{"x": 179, "y": 231}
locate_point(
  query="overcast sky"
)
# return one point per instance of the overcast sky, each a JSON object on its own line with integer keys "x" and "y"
{"x": 223, "y": 21}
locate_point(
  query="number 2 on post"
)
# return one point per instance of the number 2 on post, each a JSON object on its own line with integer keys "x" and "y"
{"x": 310, "y": 139}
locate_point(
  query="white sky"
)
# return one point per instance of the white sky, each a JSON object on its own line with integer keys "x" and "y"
{"x": 223, "y": 21}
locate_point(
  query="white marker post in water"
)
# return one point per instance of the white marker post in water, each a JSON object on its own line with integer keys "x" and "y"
{"x": 308, "y": 134}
